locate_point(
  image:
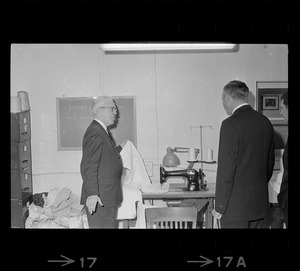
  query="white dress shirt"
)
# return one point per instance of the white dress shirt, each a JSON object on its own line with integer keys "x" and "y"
{"x": 238, "y": 107}
{"x": 102, "y": 124}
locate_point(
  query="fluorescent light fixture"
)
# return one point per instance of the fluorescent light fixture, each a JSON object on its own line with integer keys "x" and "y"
{"x": 114, "y": 47}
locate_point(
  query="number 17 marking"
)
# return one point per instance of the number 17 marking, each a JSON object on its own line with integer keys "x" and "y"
{"x": 94, "y": 259}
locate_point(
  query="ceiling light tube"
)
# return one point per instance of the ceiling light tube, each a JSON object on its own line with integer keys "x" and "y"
{"x": 110, "y": 47}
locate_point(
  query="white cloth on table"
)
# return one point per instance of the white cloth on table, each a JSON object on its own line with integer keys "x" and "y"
{"x": 156, "y": 188}
{"x": 131, "y": 195}
{"x": 134, "y": 178}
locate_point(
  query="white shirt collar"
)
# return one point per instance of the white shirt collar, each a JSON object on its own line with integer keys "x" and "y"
{"x": 238, "y": 107}
{"x": 102, "y": 124}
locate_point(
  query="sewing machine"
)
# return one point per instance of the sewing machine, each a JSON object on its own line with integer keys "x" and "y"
{"x": 195, "y": 179}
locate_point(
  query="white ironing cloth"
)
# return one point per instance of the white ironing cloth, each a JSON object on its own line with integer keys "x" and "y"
{"x": 133, "y": 179}
{"x": 135, "y": 170}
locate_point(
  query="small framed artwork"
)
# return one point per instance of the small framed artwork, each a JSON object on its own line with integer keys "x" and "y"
{"x": 270, "y": 102}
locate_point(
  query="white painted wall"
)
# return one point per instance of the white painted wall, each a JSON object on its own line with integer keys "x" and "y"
{"x": 173, "y": 92}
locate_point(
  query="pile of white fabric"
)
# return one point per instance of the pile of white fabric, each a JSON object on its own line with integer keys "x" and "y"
{"x": 62, "y": 209}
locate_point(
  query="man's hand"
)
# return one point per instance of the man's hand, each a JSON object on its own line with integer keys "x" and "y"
{"x": 216, "y": 214}
{"x": 91, "y": 203}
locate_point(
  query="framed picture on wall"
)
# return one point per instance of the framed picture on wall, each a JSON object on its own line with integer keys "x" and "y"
{"x": 268, "y": 98}
{"x": 270, "y": 102}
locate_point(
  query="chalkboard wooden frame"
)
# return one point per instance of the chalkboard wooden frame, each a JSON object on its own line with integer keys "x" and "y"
{"x": 74, "y": 114}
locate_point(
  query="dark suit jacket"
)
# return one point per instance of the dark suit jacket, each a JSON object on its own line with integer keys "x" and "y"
{"x": 101, "y": 167}
{"x": 283, "y": 194}
{"x": 245, "y": 165}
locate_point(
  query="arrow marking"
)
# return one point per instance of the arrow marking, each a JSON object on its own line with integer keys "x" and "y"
{"x": 67, "y": 261}
{"x": 205, "y": 262}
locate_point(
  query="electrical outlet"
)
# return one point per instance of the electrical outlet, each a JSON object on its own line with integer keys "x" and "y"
{"x": 149, "y": 168}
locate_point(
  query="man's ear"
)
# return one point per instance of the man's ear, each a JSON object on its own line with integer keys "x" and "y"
{"x": 227, "y": 97}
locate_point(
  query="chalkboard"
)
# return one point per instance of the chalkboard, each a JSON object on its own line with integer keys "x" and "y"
{"x": 74, "y": 115}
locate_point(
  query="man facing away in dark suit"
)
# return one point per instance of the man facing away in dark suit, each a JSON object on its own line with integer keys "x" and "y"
{"x": 101, "y": 167}
{"x": 245, "y": 162}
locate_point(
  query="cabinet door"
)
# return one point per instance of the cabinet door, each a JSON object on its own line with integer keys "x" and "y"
{"x": 19, "y": 211}
{"x": 20, "y": 128}
{"x": 20, "y": 155}
{"x": 21, "y": 183}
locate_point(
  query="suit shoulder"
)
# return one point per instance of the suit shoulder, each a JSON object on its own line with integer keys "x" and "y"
{"x": 228, "y": 124}
{"x": 93, "y": 132}
{"x": 263, "y": 118}
{"x": 249, "y": 112}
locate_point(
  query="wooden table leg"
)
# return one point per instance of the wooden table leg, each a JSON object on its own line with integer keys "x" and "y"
{"x": 209, "y": 220}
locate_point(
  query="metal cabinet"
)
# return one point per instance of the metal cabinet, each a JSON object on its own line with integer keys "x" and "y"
{"x": 20, "y": 129}
{"x": 21, "y": 183}
{"x": 21, "y": 173}
{"x": 19, "y": 211}
{"x": 20, "y": 155}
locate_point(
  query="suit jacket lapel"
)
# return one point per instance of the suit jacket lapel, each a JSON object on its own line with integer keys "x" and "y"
{"x": 112, "y": 142}
{"x": 107, "y": 133}
{"x": 109, "y": 137}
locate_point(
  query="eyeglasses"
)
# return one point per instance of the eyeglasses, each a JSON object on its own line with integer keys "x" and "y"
{"x": 112, "y": 108}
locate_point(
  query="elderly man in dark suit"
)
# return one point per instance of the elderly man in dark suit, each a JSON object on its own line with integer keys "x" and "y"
{"x": 101, "y": 167}
{"x": 245, "y": 162}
